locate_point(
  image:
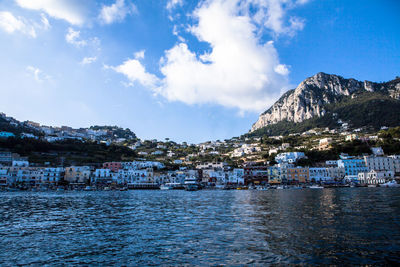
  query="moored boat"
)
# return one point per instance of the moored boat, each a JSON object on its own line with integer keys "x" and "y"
{"x": 316, "y": 187}
{"x": 88, "y": 188}
{"x": 392, "y": 183}
{"x": 165, "y": 187}
{"x": 191, "y": 184}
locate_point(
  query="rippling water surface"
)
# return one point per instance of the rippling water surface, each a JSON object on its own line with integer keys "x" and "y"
{"x": 330, "y": 226}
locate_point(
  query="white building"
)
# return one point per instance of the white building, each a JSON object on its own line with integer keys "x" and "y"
{"x": 20, "y": 163}
{"x": 210, "y": 165}
{"x": 52, "y": 175}
{"x": 374, "y": 177}
{"x": 318, "y": 174}
{"x": 396, "y": 163}
{"x": 236, "y": 176}
{"x": 289, "y": 157}
{"x": 379, "y": 163}
{"x": 325, "y": 143}
{"x": 4, "y": 177}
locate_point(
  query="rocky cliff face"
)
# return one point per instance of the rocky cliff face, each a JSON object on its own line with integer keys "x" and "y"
{"x": 311, "y": 95}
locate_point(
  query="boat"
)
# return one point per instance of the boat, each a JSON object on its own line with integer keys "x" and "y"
{"x": 166, "y": 187}
{"x": 88, "y": 188}
{"x": 279, "y": 187}
{"x": 191, "y": 184}
{"x": 242, "y": 188}
{"x": 172, "y": 186}
{"x": 371, "y": 185}
{"x": 316, "y": 187}
{"x": 262, "y": 188}
{"x": 296, "y": 187}
{"x": 392, "y": 183}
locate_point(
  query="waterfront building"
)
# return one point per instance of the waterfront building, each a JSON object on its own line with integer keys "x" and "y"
{"x": 113, "y": 166}
{"x": 102, "y": 177}
{"x": 77, "y": 174}
{"x": 214, "y": 177}
{"x": 6, "y": 157}
{"x": 374, "y": 177}
{"x": 396, "y": 163}
{"x": 52, "y": 176}
{"x": 352, "y": 166}
{"x": 319, "y": 174}
{"x": 26, "y": 177}
{"x": 336, "y": 173}
{"x": 283, "y": 171}
{"x": 274, "y": 175}
{"x": 236, "y": 176}
{"x": 297, "y": 175}
{"x": 255, "y": 175}
{"x": 4, "y": 177}
{"x": 379, "y": 163}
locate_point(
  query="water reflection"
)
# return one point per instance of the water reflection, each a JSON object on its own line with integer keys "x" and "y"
{"x": 342, "y": 226}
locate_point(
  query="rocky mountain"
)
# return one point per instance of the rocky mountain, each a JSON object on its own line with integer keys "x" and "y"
{"x": 313, "y": 97}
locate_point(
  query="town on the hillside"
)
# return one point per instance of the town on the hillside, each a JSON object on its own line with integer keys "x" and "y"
{"x": 317, "y": 158}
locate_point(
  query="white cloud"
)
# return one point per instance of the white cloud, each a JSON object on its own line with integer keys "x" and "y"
{"x": 139, "y": 54}
{"x": 45, "y": 22}
{"x": 238, "y": 71}
{"x": 281, "y": 69}
{"x": 91, "y": 45}
{"x": 37, "y": 74}
{"x": 73, "y": 37}
{"x": 72, "y": 11}
{"x": 272, "y": 14}
{"x": 136, "y": 72}
{"x": 116, "y": 12}
{"x": 88, "y": 60}
{"x": 10, "y": 24}
{"x": 173, "y": 3}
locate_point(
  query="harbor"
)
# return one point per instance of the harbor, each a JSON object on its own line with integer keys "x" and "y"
{"x": 205, "y": 227}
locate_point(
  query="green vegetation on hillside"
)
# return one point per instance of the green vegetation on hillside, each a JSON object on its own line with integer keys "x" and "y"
{"x": 366, "y": 109}
{"x": 71, "y": 151}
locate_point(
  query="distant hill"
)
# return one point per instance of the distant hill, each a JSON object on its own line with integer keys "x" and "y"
{"x": 327, "y": 101}
{"x": 64, "y": 144}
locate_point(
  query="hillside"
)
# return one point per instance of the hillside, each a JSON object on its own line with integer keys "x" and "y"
{"x": 324, "y": 100}
{"x": 367, "y": 110}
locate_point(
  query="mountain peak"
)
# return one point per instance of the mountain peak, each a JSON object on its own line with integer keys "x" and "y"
{"x": 309, "y": 98}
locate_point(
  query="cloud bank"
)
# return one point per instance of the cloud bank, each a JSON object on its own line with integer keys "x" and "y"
{"x": 10, "y": 24}
{"x": 116, "y": 12}
{"x": 238, "y": 70}
{"x": 72, "y": 11}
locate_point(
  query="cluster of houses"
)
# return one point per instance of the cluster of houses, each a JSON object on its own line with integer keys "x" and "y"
{"x": 54, "y": 134}
{"x": 367, "y": 170}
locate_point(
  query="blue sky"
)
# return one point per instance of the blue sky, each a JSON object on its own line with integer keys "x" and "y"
{"x": 187, "y": 70}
